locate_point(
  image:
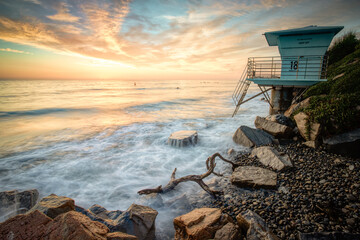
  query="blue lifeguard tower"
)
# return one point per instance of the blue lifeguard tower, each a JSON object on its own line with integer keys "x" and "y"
{"x": 302, "y": 63}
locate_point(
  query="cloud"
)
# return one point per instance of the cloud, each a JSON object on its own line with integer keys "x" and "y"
{"x": 63, "y": 14}
{"x": 200, "y": 37}
{"x": 14, "y": 51}
{"x": 34, "y": 1}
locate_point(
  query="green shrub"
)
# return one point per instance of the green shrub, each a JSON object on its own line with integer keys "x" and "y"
{"x": 349, "y": 66}
{"x": 342, "y": 46}
{"x": 336, "y": 113}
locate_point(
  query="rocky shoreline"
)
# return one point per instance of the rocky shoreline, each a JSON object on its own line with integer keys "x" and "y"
{"x": 321, "y": 193}
{"x": 299, "y": 192}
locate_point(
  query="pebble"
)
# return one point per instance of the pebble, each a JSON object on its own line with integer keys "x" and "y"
{"x": 317, "y": 194}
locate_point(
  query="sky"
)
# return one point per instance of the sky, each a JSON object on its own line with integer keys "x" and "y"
{"x": 151, "y": 39}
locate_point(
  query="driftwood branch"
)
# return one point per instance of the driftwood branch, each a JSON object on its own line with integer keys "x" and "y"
{"x": 210, "y": 165}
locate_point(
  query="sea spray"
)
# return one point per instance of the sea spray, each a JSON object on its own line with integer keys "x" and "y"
{"x": 118, "y": 146}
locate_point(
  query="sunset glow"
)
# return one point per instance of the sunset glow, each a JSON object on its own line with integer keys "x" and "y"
{"x": 155, "y": 39}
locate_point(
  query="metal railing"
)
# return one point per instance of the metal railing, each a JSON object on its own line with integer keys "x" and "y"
{"x": 241, "y": 90}
{"x": 294, "y": 67}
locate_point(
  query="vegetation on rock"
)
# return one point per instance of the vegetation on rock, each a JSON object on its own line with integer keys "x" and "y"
{"x": 335, "y": 104}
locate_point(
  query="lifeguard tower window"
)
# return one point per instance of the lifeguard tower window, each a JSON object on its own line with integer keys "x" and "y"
{"x": 302, "y": 61}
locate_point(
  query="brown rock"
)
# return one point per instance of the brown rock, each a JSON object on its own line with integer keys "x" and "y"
{"x": 255, "y": 177}
{"x": 275, "y": 129}
{"x": 74, "y": 225}
{"x": 54, "y": 205}
{"x": 200, "y": 224}
{"x": 301, "y": 120}
{"x": 25, "y": 226}
{"x": 305, "y": 103}
{"x": 312, "y": 144}
{"x": 250, "y": 137}
{"x": 120, "y": 236}
{"x": 71, "y": 225}
{"x": 101, "y": 212}
{"x": 271, "y": 157}
{"x": 254, "y": 226}
{"x": 229, "y": 231}
{"x": 138, "y": 220}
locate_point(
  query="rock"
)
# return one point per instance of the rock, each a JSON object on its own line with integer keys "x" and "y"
{"x": 312, "y": 144}
{"x": 271, "y": 157}
{"x": 70, "y": 225}
{"x": 120, "y": 236}
{"x": 136, "y": 220}
{"x": 254, "y": 226}
{"x": 305, "y": 103}
{"x": 328, "y": 236}
{"x": 250, "y": 137}
{"x": 301, "y": 120}
{"x": 347, "y": 144}
{"x": 231, "y": 152}
{"x": 284, "y": 190}
{"x": 74, "y": 225}
{"x": 15, "y": 202}
{"x": 53, "y": 205}
{"x": 183, "y": 138}
{"x": 25, "y": 226}
{"x": 229, "y": 231}
{"x": 254, "y": 177}
{"x": 281, "y": 119}
{"x": 275, "y": 129}
{"x": 201, "y": 224}
{"x": 111, "y": 224}
{"x": 101, "y": 212}
{"x": 139, "y": 221}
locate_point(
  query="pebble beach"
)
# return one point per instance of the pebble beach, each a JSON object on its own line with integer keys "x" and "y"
{"x": 319, "y": 194}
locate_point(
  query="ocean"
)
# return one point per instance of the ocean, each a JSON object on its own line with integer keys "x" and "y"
{"x": 99, "y": 142}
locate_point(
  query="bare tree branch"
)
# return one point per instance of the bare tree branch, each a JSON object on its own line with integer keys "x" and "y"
{"x": 210, "y": 166}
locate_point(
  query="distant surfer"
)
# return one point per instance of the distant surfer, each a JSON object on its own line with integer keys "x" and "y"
{"x": 134, "y": 83}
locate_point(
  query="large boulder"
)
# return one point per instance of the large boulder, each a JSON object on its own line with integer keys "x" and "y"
{"x": 138, "y": 220}
{"x": 183, "y": 138}
{"x": 303, "y": 104}
{"x": 254, "y": 226}
{"x": 25, "y": 226}
{"x": 347, "y": 144}
{"x": 54, "y": 205}
{"x": 281, "y": 119}
{"x": 70, "y": 225}
{"x": 310, "y": 131}
{"x": 101, "y": 212}
{"x": 275, "y": 129}
{"x": 15, "y": 202}
{"x": 254, "y": 177}
{"x": 272, "y": 158}
{"x": 250, "y": 137}
{"x": 74, "y": 225}
{"x": 203, "y": 224}
{"x": 229, "y": 231}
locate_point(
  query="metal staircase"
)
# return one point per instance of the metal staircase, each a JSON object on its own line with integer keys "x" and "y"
{"x": 241, "y": 90}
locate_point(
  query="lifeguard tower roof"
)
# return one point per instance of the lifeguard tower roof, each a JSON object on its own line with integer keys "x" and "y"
{"x": 272, "y": 37}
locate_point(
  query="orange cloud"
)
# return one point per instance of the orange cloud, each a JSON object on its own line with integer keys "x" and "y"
{"x": 14, "y": 51}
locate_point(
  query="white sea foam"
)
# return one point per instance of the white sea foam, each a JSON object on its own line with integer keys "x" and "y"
{"x": 108, "y": 155}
